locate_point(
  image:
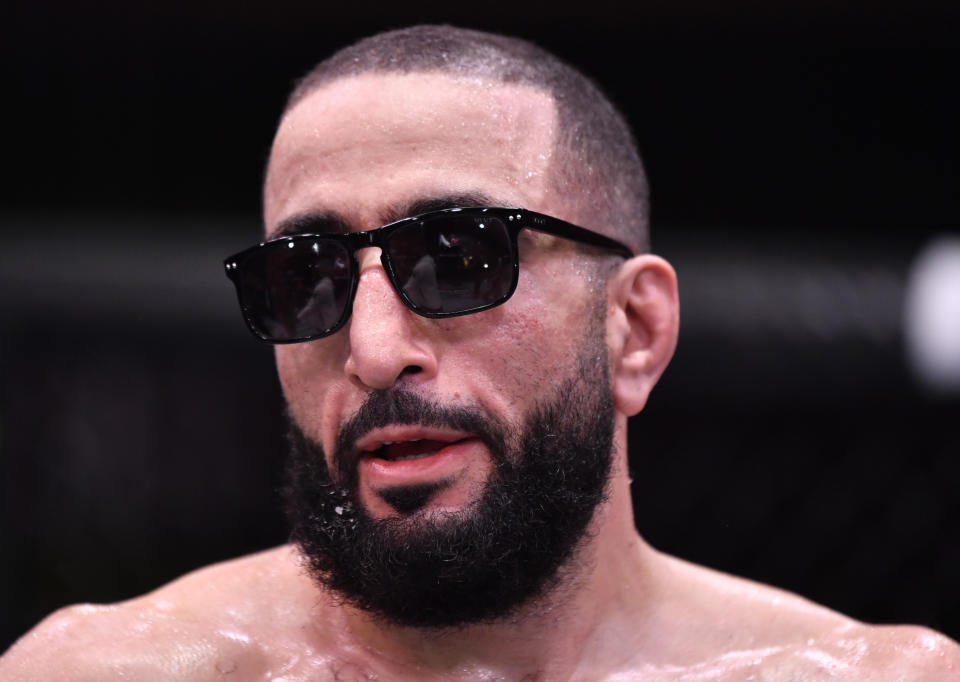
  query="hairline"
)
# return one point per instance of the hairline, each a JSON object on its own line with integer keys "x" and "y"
{"x": 558, "y": 152}
{"x": 595, "y": 168}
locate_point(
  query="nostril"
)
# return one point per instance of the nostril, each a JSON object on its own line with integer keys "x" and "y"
{"x": 411, "y": 369}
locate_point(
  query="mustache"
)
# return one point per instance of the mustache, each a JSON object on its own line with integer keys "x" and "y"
{"x": 403, "y": 407}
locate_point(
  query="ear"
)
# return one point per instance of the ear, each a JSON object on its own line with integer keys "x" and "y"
{"x": 642, "y": 327}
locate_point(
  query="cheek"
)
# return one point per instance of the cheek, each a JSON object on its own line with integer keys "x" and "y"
{"x": 533, "y": 349}
{"x": 306, "y": 387}
{"x": 548, "y": 325}
{"x": 295, "y": 389}
{"x": 499, "y": 358}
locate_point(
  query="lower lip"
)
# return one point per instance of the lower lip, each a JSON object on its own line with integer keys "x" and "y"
{"x": 445, "y": 463}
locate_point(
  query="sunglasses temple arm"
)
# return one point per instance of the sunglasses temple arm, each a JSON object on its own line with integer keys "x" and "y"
{"x": 561, "y": 228}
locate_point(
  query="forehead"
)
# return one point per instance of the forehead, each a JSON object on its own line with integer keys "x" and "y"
{"x": 362, "y": 145}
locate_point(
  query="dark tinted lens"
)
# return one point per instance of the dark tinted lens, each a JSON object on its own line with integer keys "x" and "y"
{"x": 295, "y": 289}
{"x": 453, "y": 263}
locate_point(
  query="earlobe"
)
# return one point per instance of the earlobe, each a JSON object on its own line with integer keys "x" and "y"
{"x": 641, "y": 329}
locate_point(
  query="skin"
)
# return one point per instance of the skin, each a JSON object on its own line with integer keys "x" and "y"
{"x": 366, "y": 148}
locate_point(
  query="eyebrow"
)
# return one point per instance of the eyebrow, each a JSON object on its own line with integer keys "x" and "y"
{"x": 310, "y": 222}
{"x": 427, "y": 204}
{"x": 331, "y": 222}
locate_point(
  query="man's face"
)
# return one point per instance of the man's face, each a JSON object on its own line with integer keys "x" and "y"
{"x": 433, "y": 454}
{"x": 374, "y": 148}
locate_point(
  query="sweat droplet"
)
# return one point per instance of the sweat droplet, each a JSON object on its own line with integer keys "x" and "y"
{"x": 339, "y": 510}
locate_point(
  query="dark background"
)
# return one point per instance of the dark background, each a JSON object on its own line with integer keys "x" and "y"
{"x": 801, "y": 156}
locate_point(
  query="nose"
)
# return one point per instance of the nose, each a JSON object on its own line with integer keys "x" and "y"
{"x": 387, "y": 339}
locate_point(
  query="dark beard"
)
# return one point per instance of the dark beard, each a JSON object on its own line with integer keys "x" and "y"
{"x": 478, "y": 564}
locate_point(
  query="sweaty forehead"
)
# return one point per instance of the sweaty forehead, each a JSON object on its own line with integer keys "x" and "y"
{"x": 361, "y": 145}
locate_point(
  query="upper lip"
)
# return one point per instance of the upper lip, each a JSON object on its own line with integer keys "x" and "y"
{"x": 405, "y": 433}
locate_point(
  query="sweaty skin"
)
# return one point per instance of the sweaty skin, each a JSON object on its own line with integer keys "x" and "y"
{"x": 367, "y": 149}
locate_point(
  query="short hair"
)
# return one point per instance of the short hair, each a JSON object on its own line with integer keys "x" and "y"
{"x": 596, "y": 158}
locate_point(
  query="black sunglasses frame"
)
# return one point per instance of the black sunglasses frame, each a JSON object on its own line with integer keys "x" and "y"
{"x": 515, "y": 219}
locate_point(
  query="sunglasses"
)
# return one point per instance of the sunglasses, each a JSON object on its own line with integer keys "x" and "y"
{"x": 444, "y": 263}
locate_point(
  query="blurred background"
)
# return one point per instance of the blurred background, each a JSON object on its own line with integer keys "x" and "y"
{"x": 804, "y": 163}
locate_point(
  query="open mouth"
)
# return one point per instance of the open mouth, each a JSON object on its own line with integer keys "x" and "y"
{"x": 417, "y": 448}
{"x": 411, "y": 467}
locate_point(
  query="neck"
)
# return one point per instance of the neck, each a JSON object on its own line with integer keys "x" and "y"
{"x": 558, "y": 634}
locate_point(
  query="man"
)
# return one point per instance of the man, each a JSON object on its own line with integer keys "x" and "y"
{"x": 458, "y": 385}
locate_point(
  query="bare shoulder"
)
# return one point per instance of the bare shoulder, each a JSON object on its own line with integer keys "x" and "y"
{"x": 200, "y": 626}
{"x": 729, "y": 628}
{"x": 864, "y": 653}
{"x": 884, "y": 652}
{"x": 869, "y": 653}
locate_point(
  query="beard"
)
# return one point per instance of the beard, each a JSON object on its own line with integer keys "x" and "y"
{"x": 478, "y": 564}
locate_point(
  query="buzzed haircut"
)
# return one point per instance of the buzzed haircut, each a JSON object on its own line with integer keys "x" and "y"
{"x": 596, "y": 163}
